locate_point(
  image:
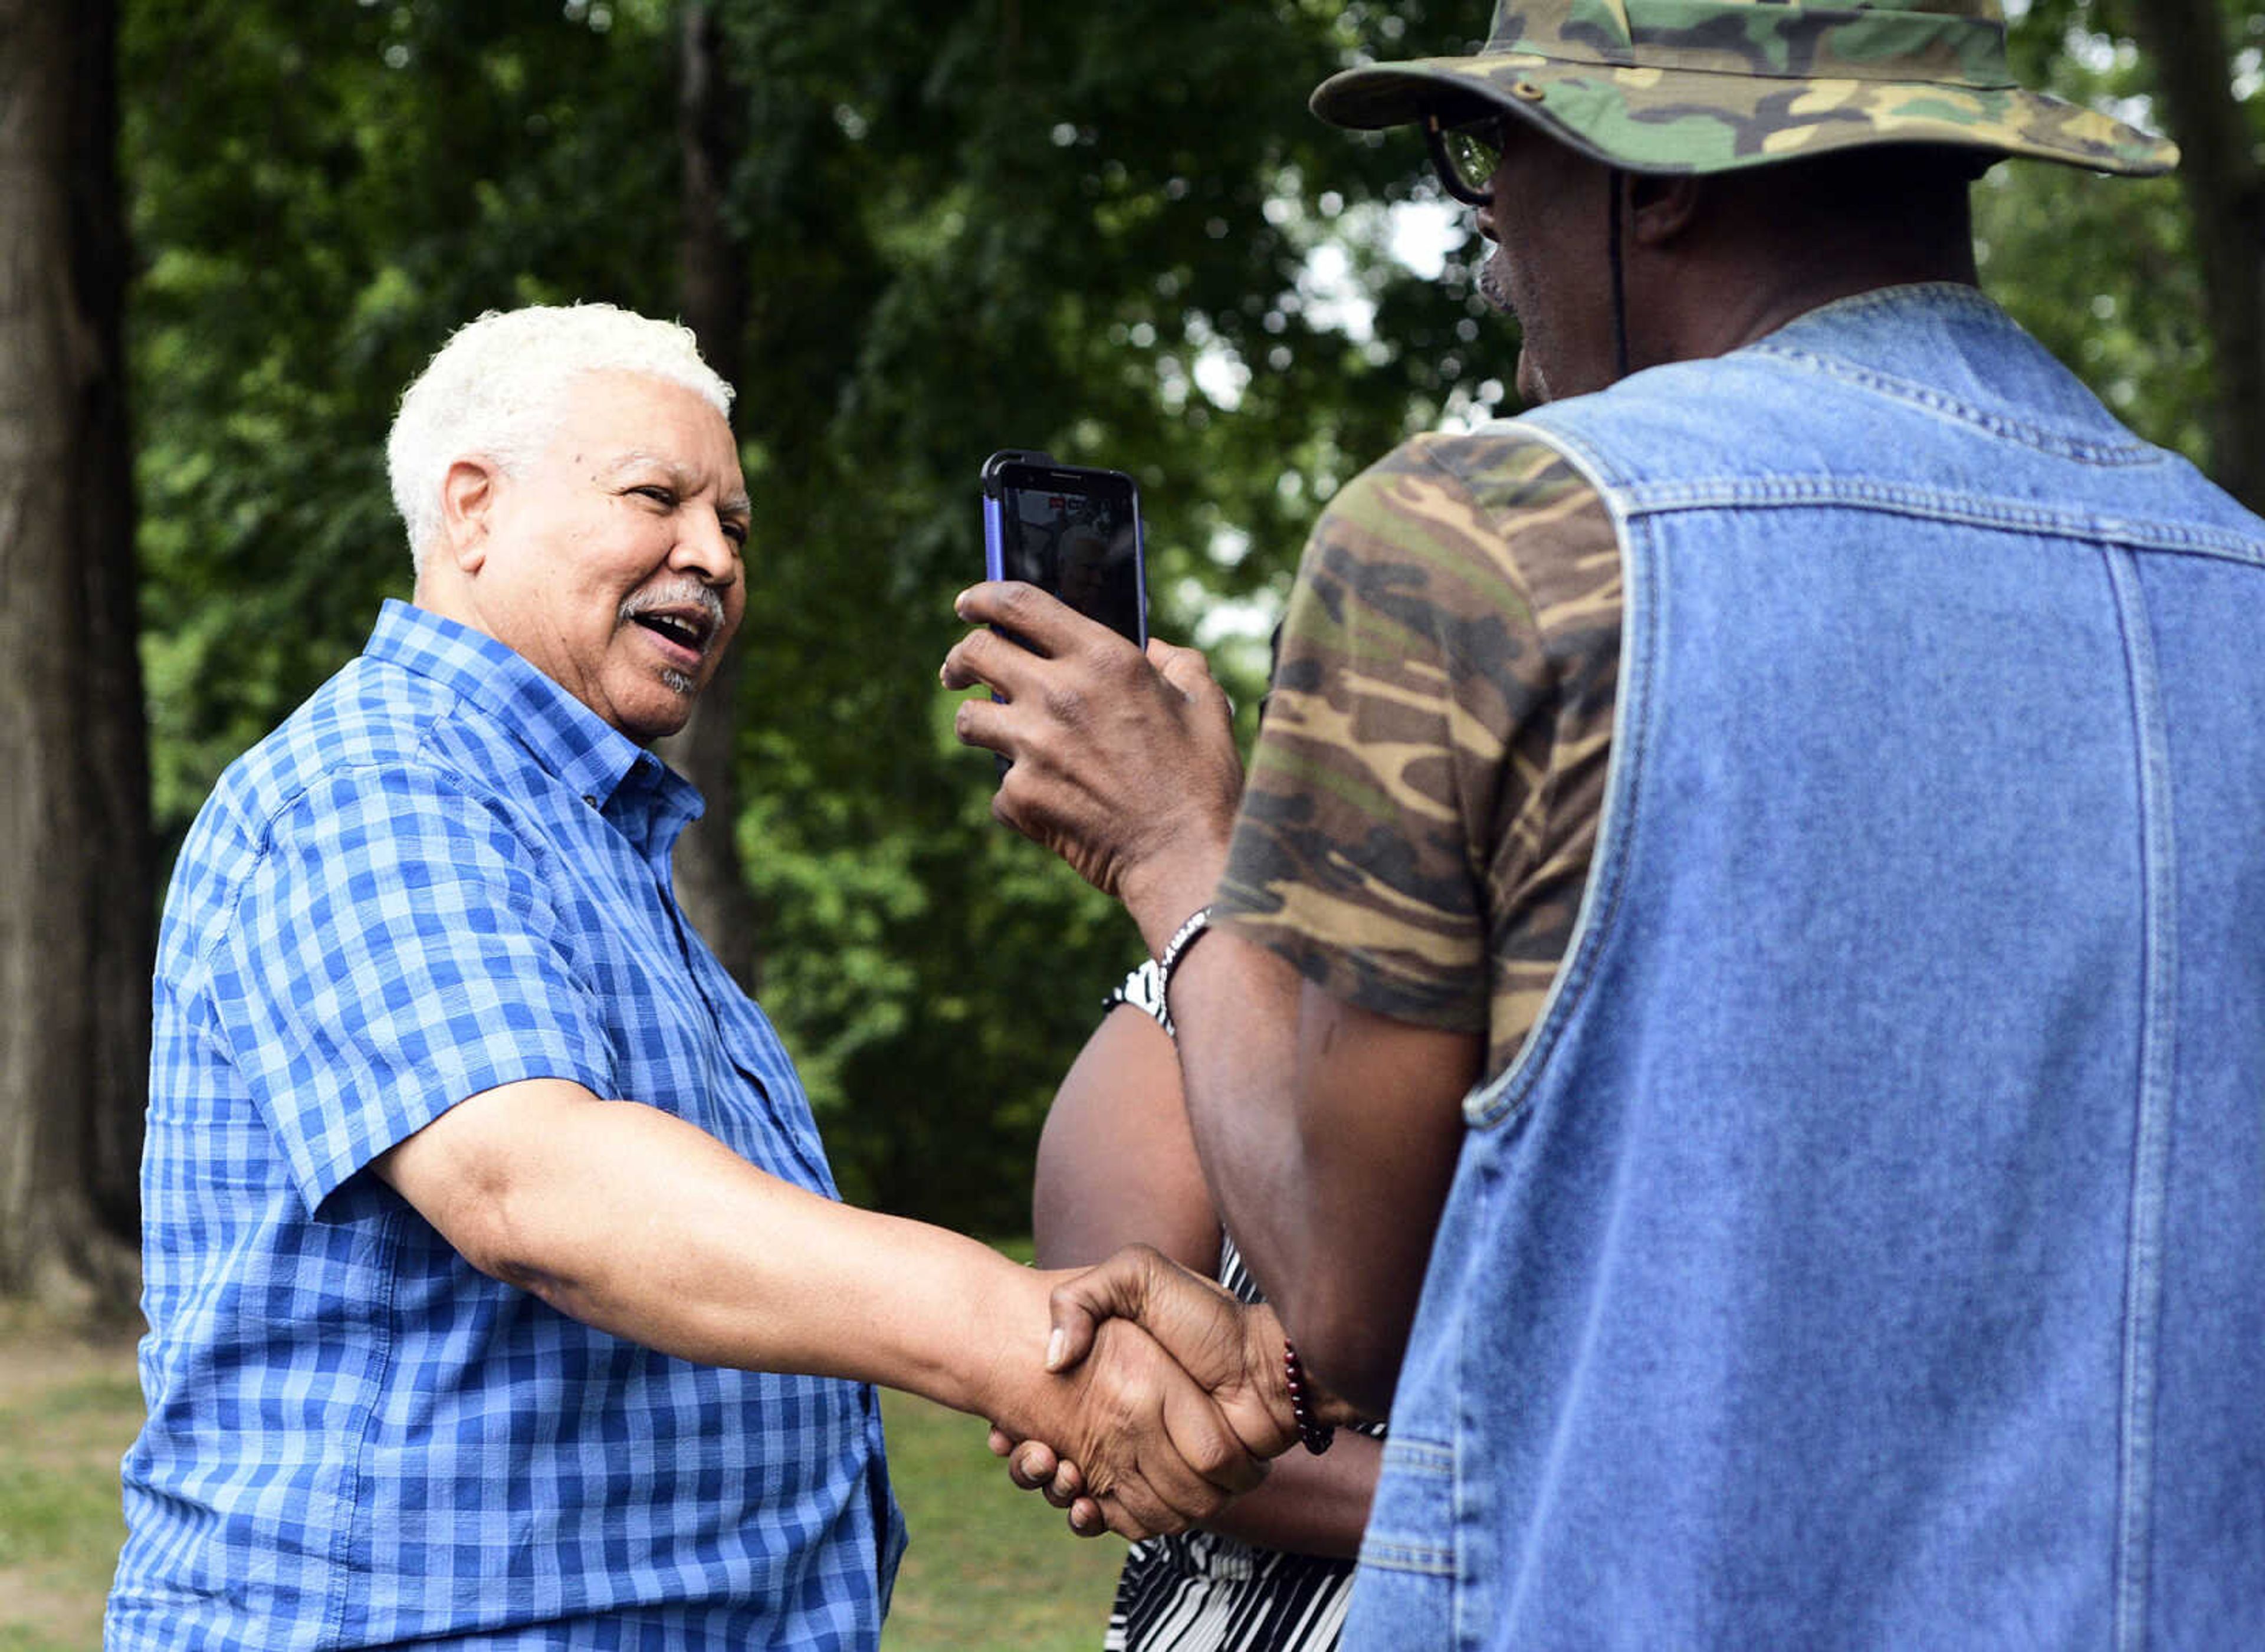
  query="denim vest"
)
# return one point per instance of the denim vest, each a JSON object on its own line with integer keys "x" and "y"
{"x": 1868, "y": 1246}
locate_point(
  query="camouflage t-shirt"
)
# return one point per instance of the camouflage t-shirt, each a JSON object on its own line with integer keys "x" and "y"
{"x": 1424, "y": 800}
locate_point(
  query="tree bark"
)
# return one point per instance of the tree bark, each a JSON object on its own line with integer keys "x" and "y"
{"x": 76, "y": 855}
{"x": 2186, "y": 42}
{"x": 710, "y": 882}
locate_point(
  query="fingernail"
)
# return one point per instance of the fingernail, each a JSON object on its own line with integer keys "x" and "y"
{"x": 1054, "y": 1349}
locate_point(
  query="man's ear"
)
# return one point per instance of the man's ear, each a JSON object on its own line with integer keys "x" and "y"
{"x": 467, "y": 495}
{"x": 1661, "y": 209}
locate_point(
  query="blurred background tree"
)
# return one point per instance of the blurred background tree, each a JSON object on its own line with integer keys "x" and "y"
{"x": 76, "y": 872}
{"x": 909, "y": 239}
{"x": 912, "y": 235}
{"x": 2154, "y": 291}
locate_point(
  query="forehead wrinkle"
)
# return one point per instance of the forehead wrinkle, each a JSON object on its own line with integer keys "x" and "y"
{"x": 735, "y": 505}
{"x": 637, "y": 456}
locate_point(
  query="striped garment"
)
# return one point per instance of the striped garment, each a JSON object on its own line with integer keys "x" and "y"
{"x": 1200, "y": 1591}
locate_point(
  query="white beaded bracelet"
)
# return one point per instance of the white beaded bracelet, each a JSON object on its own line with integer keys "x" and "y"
{"x": 1186, "y": 935}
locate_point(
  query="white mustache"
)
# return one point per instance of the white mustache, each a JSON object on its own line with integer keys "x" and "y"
{"x": 677, "y": 594}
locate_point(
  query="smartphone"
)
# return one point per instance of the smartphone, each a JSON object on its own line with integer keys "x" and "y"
{"x": 1068, "y": 530}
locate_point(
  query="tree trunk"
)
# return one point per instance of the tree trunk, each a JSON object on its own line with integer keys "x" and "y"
{"x": 2185, "y": 40}
{"x": 711, "y": 883}
{"x": 76, "y": 858}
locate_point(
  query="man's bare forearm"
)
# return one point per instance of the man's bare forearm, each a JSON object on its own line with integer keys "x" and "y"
{"x": 672, "y": 1240}
{"x": 1328, "y": 1138}
{"x": 631, "y": 1220}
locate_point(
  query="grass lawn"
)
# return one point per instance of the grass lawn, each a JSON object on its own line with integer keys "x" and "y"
{"x": 989, "y": 1567}
{"x": 67, "y": 1410}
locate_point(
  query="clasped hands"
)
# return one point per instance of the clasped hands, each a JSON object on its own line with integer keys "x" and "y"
{"x": 1191, "y": 1391}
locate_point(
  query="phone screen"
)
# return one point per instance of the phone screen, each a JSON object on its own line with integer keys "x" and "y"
{"x": 1073, "y": 532}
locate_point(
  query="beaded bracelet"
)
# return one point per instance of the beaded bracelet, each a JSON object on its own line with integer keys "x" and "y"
{"x": 1314, "y": 1436}
{"x": 1186, "y": 935}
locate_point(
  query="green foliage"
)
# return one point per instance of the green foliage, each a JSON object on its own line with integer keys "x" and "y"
{"x": 317, "y": 195}
{"x": 2102, "y": 270}
{"x": 2129, "y": 325}
{"x": 965, "y": 225}
{"x": 1011, "y": 227}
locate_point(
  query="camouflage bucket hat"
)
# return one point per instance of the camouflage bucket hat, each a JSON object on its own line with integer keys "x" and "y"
{"x": 1715, "y": 85}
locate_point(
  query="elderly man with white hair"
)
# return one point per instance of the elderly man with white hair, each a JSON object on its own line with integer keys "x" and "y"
{"x": 499, "y": 1292}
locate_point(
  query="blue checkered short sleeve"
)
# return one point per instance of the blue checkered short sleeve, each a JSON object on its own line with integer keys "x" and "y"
{"x": 394, "y": 950}
{"x": 441, "y": 875}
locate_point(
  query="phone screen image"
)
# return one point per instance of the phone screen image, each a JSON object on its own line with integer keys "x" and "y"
{"x": 1071, "y": 531}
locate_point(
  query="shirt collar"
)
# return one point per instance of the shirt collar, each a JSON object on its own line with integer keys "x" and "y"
{"x": 569, "y": 739}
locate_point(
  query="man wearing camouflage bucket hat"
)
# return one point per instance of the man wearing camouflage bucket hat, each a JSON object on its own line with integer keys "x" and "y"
{"x": 1715, "y": 85}
{"x": 1749, "y": 887}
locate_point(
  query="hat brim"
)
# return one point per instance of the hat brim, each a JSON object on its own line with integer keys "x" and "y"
{"x": 1698, "y": 121}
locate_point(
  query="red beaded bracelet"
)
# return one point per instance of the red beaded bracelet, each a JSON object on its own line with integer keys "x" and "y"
{"x": 1315, "y": 1435}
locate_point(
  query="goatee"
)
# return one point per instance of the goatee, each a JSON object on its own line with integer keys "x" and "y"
{"x": 1493, "y": 285}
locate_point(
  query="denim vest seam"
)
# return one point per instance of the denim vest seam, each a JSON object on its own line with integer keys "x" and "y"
{"x": 1419, "y": 1456}
{"x": 1797, "y": 492}
{"x": 2151, "y": 1143}
{"x": 1405, "y": 1457}
{"x": 2069, "y": 445}
{"x": 1504, "y": 1098}
{"x": 1391, "y": 1555}
{"x": 1955, "y": 299}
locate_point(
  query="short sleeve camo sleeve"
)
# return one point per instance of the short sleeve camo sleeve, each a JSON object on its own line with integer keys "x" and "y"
{"x": 1425, "y": 797}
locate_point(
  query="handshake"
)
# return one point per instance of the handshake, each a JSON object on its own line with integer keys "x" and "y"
{"x": 1168, "y": 1396}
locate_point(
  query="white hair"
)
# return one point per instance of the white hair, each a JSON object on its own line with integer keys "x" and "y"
{"x": 497, "y": 390}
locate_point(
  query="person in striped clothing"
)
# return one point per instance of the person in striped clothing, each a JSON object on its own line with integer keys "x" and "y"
{"x": 1116, "y": 1165}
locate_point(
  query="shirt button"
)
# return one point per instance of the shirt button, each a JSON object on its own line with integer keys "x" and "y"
{"x": 590, "y": 797}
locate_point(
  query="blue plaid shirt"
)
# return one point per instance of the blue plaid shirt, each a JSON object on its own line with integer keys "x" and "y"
{"x": 442, "y": 873}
